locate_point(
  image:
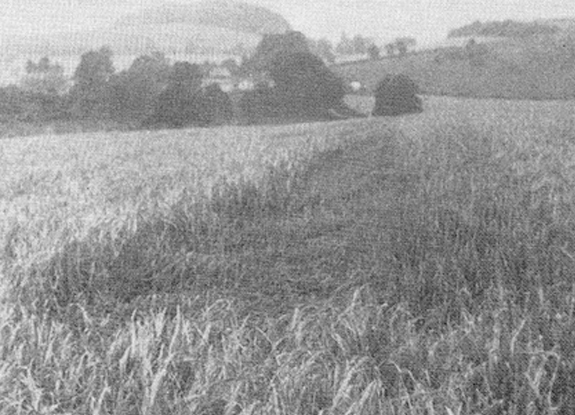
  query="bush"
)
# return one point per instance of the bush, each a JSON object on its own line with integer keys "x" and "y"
{"x": 304, "y": 86}
{"x": 396, "y": 95}
{"x": 373, "y": 52}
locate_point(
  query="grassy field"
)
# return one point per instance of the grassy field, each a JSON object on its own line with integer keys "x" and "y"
{"x": 512, "y": 70}
{"x": 412, "y": 265}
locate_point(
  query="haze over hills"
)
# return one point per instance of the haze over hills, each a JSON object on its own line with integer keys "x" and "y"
{"x": 565, "y": 24}
{"x": 225, "y": 14}
{"x": 214, "y": 26}
{"x": 127, "y": 23}
{"x": 515, "y": 29}
{"x": 522, "y": 34}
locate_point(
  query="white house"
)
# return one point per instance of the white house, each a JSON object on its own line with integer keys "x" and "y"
{"x": 355, "y": 86}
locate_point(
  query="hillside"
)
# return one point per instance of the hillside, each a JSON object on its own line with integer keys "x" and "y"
{"x": 538, "y": 67}
{"x": 200, "y": 27}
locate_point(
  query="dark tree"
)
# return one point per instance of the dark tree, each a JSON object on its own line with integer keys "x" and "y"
{"x": 325, "y": 50}
{"x": 207, "y": 66}
{"x": 19, "y": 105}
{"x": 217, "y": 106}
{"x": 176, "y": 108}
{"x": 396, "y": 95}
{"x": 373, "y": 52}
{"x": 186, "y": 76}
{"x": 14, "y": 105}
{"x": 322, "y": 48}
{"x": 476, "y": 53}
{"x": 258, "y": 105}
{"x": 360, "y": 45}
{"x": 135, "y": 91}
{"x": 181, "y": 103}
{"x": 91, "y": 93}
{"x": 272, "y": 45}
{"x": 304, "y": 86}
{"x": 401, "y": 48}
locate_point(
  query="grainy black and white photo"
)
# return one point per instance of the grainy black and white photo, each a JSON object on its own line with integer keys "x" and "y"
{"x": 287, "y": 207}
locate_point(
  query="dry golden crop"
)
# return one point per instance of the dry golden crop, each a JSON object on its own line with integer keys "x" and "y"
{"x": 434, "y": 275}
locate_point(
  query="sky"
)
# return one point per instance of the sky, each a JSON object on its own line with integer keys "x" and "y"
{"x": 426, "y": 20}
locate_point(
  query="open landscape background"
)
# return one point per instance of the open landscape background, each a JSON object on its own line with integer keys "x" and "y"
{"x": 415, "y": 264}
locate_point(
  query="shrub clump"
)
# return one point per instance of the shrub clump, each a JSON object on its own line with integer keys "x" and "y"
{"x": 396, "y": 95}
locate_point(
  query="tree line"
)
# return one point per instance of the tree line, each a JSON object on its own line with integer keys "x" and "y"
{"x": 150, "y": 90}
{"x": 506, "y": 28}
{"x": 359, "y": 45}
{"x": 290, "y": 83}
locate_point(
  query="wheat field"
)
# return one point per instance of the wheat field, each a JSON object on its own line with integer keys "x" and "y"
{"x": 413, "y": 265}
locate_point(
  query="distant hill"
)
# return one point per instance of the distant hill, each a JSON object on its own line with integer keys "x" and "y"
{"x": 224, "y": 14}
{"x": 506, "y": 28}
{"x": 209, "y": 26}
{"x": 564, "y": 24}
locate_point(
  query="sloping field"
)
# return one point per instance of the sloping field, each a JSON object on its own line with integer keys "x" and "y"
{"x": 510, "y": 71}
{"x": 418, "y": 264}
